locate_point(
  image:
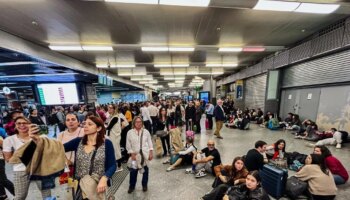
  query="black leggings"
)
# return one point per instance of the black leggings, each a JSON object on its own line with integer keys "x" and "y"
{"x": 217, "y": 193}
{"x": 166, "y": 143}
{"x": 323, "y": 197}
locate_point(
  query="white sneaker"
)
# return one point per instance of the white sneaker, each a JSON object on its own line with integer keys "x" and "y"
{"x": 189, "y": 171}
{"x": 120, "y": 169}
{"x": 338, "y": 146}
{"x": 169, "y": 169}
{"x": 200, "y": 174}
{"x": 167, "y": 161}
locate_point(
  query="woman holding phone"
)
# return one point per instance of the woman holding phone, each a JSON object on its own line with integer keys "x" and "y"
{"x": 11, "y": 144}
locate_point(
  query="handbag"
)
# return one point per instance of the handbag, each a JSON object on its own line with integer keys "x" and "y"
{"x": 161, "y": 133}
{"x": 237, "y": 193}
{"x": 295, "y": 187}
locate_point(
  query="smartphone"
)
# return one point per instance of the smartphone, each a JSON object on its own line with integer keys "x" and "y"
{"x": 43, "y": 130}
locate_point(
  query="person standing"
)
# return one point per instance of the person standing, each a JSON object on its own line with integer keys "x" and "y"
{"x": 34, "y": 118}
{"x": 20, "y": 176}
{"x": 153, "y": 112}
{"x": 61, "y": 118}
{"x": 210, "y": 113}
{"x": 190, "y": 115}
{"x": 140, "y": 148}
{"x": 198, "y": 117}
{"x": 4, "y": 182}
{"x": 219, "y": 118}
{"x": 146, "y": 117}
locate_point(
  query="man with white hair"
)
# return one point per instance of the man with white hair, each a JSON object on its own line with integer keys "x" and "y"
{"x": 219, "y": 115}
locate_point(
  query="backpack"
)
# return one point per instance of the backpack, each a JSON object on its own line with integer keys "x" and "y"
{"x": 53, "y": 119}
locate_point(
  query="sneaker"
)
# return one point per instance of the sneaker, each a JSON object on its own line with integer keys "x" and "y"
{"x": 310, "y": 145}
{"x": 189, "y": 171}
{"x": 167, "y": 161}
{"x": 338, "y": 146}
{"x": 120, "y": 169}
{"x": 219, "y": 137}
{"x": 169, "y": 169}
{"x": 200, "y": 174}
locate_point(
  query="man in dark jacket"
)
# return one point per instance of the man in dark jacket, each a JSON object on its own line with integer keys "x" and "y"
{"x": 256, "y": 158}
{"x": 219, "y": 115}
{"x": 190, "y": 115}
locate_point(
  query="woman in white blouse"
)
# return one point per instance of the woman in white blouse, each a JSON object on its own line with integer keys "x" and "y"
{"x": 140, "y": 148}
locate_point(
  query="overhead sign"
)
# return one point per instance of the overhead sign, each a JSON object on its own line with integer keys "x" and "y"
{"x": 6, "y": 90}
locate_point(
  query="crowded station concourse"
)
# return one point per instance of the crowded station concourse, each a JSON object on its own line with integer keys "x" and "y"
{"x": 174, "y": 99}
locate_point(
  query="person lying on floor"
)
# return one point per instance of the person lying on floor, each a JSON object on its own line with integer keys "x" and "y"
{"x": 251, "y": 190}
{"x": 336, "y": 139}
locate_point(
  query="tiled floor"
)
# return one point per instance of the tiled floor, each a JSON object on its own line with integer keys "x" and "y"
{"x": 178, "y": 185}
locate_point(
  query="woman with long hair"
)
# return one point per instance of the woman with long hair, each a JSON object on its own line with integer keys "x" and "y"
{"x": 116, "y": 123}
{"x": 35, "y": 118}
{"x": 251, "y": 190}
{"x": 186, "y": 155}
{"x": 233, "y": 174}
{"x": 276, "y": 150}
{"x": 320, "y": 180}
{"x": 163, "y": 124}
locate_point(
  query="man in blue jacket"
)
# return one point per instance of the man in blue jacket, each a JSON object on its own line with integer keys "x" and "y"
{"x": 219, "y": 115}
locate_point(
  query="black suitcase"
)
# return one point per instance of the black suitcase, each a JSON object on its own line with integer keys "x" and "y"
{"x": 273, "y": 180}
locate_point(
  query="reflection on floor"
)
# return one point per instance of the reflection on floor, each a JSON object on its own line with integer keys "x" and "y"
{"x": 178, "y": 185}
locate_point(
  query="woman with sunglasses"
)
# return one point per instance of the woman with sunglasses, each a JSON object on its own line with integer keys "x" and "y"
{"x": 11, "y": 144}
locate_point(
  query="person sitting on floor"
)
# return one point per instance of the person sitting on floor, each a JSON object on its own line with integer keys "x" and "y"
{"x": 339, "y": 172}
{"x": 295, "y": 124}
{"x": 205, "y": 160}
{"x": 251, "y": 190}
{"x": 256, "y": 158}
{"x": 310, "y": 132}
{"x": 273, "y": 123}
{"x": 234, "y": 174}
{"x": 185, "y": 156}
{"x": 287, "y": 121}
{"x": 266, "y": 119}
{"x": 276, "y": 150}
{"x": 320, "y": 180}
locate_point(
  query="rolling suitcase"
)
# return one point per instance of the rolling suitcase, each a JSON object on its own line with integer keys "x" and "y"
{"x": 273, "y": 180}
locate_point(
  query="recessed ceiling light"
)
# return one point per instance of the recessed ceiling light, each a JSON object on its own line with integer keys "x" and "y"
{"x": 317, "y": 8}
{"x": 97, "y": 48}
{"x": 195, "y": 3}
{"x": 276, "y": 5}
{"x": 134, "y": 1}
{"x": 18, "y": 63}
{"x": 65, "y": 48}
{"x": 230, "y": 49}
{"x": 123, "y": 66}
{"x": 253, "y": 49}
{"x": 181, "y": 49}
{"x": 180, "y": 65}
{"x": 155, "y": 49}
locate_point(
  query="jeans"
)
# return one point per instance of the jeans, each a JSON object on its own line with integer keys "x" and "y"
{"x": 4, "y": 182}
{"x": 338, "y": 179}
{"x": 133, "y": 177}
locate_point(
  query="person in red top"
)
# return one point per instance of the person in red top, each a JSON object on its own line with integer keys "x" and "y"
{"x": 339, "y": 172}
{"x": 100, "y": 112}
{"x": 273, "y": 151}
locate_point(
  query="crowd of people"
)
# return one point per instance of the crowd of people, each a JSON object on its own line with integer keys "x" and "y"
{"x": 97, "y": 140}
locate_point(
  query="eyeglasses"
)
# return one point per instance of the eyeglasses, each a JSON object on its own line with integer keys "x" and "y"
{"x": 211, "y": 145}
{"x": 21, "y": 123}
